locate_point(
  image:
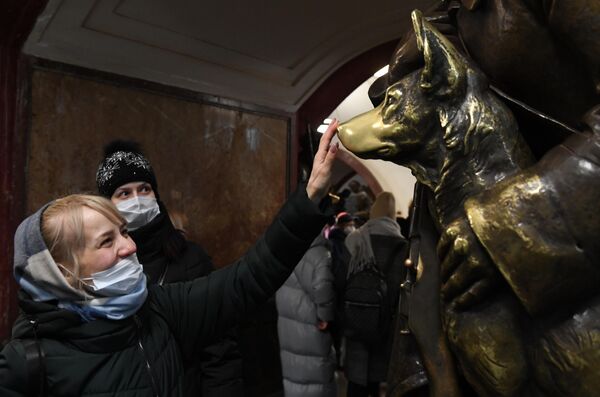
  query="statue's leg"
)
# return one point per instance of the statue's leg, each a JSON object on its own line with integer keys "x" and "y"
{"x": 425, "y": 318}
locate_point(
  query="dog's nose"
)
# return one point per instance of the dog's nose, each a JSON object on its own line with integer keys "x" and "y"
{"x": 359, "y": 134}
{"x": 345, "y": 134}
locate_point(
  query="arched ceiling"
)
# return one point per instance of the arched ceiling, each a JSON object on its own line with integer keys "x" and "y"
{"x": 270, "y": 53}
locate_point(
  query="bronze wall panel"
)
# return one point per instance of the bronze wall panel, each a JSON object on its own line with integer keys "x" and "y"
{"x": 225, "y": 168}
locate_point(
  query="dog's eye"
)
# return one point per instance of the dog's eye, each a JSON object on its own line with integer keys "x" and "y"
{"x": 393, "y": 97}
{"x": 392, "y": 100}
{"x": 394, "y": 94}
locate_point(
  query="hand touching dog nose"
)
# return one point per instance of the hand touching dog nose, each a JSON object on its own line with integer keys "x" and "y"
{"x": 320, "y": 177}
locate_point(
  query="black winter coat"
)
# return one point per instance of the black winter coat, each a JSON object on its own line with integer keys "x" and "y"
{"x": 217, "y": 372}
{"x": 144, "y": 355}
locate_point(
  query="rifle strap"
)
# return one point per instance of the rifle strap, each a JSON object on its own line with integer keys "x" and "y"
{"x": 397, "y": 248}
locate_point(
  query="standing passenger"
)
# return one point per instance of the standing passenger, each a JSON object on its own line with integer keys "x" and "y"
{"x": 306, "y": 307}
{"x": 380, "y": 242}
{"x": 126, "y": 177}
{"x": 340, "y": 257}
{"x": 358, "y": 200}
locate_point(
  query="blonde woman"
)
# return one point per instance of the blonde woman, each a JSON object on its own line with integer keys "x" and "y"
{"x": 99, "y": 330}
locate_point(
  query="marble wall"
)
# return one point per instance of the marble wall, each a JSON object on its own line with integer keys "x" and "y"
{"x": 225, "y": 168}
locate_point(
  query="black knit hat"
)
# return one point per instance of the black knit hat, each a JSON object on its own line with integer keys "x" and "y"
{"x": 123, "y": 163}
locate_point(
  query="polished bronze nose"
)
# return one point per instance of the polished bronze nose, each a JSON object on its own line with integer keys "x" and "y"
{"x": 360, "y": 133}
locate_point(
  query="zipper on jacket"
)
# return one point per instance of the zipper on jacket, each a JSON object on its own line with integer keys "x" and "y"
{"x": 153, "y": 383}
{"x": 161, "y": 280}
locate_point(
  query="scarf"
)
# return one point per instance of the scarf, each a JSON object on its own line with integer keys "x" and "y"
{"x": 359, "y": 242}
{"x": 38, "y": 274}
{"x": 112, "y": 307}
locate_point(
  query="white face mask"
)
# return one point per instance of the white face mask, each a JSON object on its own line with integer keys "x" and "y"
{"x": 349, "y": 229}
{"x": 138, "y": 211}
{"x": 120, "y": 279}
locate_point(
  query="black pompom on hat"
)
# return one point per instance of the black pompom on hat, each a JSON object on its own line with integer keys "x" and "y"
{"x": 123, "y": 163}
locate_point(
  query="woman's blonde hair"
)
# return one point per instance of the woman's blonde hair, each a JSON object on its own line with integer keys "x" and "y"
{"x": 63, "y": 229}
{"x": 384, "y": 205}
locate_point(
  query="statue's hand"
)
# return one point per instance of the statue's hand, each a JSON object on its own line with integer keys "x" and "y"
{"x": 468, "y": 273}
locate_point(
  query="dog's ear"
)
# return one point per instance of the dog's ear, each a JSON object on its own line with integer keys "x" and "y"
{"x": 445, "y": 72}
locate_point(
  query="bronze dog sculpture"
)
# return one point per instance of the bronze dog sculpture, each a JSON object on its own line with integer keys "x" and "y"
{"x": 543, "y": 54}
{"x": 531, "y": 335}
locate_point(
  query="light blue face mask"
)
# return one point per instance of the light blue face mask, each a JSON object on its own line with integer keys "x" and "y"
{"x": 138, "y": 211}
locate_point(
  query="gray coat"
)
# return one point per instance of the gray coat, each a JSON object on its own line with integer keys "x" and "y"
{"x": 307, "y": 354}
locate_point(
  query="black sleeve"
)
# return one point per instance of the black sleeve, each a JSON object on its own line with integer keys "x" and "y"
{"x": 201, "y": 309}
{"x": 217, "y": 371}
{"x": 222, "y": 371}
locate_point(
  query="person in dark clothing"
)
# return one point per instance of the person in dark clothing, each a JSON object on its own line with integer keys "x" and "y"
{"x": 339, "y": 205}
{"x": 340, "y": 257}
{"x": 358, "y": 200}
{"x": 126, "y": 177}
{"x": 99, "y": 329}
{"x": 378, "y": 241}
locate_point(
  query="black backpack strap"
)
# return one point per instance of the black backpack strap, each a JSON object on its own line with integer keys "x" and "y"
{"x": 35, "y": 363}
{"x": 35, "y": 367}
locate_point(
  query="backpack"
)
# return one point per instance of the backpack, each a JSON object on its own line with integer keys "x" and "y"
{"x": 367, "y": 305}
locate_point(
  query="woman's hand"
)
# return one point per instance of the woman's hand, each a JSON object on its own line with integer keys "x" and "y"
{"x": 320, "y": 177}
